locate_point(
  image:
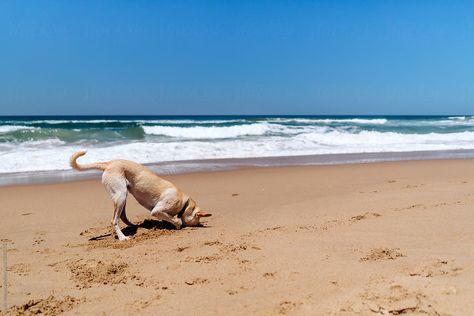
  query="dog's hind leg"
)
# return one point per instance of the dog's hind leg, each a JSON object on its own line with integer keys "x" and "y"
{"x": 116, "y": 186}
{"x": 123, "y": 216}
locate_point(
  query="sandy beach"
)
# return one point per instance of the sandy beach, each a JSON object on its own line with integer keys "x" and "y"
{"x": 386, "y": 238}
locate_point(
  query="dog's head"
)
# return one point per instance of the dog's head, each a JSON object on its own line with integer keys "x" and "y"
{"x": 193, "y": 214}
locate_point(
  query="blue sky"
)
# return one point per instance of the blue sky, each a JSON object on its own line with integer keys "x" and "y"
{"x": 236, "y": 57}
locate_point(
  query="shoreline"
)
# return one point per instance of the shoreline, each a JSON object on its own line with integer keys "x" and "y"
{"x": 210, "y": 165}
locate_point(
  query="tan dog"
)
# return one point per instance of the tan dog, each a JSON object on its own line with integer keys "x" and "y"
{"x": 165, "y": 201}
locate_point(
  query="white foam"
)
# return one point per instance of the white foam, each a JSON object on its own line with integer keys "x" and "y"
{"x": 462, "y": 118}
{"x": 358, "y": 121}
{"x": 330, "y": 121}
{"x": 256, "y": 138}
{"x": 12, "y": 128}
{"x": 210, "y": 132}
{"x": 54, "y": 154}
{"x": 388, "y": 141}
{"x": 198, "y": 122}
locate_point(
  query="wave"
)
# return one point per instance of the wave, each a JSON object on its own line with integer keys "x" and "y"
{"x": 110, "y": 131}
{"x": 378, "y": 121}
{"x": 461, "y": 117}
{"x": 356, "y": 121}
{"x": 13, "y": 128}
{"x": 210, "y": 132}
{"x": 197, "y": 122}
{"x": 459, "y": 122}
{"x": 390, "y": 141}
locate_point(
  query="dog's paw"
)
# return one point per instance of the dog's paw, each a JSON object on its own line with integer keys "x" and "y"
{"x": 178, "y": 225}
{"x": 124, "y": 238}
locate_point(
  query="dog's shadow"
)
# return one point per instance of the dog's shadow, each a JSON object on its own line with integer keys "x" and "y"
{"x": 149, "y": 224}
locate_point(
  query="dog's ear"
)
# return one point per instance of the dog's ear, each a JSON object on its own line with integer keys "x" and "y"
{"x": 203, "y": 214}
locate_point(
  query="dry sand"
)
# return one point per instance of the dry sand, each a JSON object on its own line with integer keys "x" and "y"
{"x": 388, "y": 238}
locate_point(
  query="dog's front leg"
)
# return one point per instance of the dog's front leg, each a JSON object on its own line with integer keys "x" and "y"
{"x": 124, "y": 218}
{"x": 162, "y": 216}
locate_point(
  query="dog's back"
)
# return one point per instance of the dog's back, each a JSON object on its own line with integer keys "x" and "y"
{"x": 142, "y": 183}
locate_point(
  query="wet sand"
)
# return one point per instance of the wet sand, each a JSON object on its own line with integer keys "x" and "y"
{"x": 385, "y": 238}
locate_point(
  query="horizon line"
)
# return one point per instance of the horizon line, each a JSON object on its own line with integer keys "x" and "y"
{"x": 227, "y": 115}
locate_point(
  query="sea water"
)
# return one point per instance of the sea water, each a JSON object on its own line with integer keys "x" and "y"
{"x": 32, "y": 144}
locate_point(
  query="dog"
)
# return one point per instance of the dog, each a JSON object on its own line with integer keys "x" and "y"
{"x": 164, "y": 200}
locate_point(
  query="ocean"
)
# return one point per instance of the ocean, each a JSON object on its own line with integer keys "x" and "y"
{"x": 40, "y": 144}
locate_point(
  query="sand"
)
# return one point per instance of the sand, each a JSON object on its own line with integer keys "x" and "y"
{"x": 373, "y": 239}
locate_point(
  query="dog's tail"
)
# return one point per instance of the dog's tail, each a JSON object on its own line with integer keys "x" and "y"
{"x": 75, "y": 165}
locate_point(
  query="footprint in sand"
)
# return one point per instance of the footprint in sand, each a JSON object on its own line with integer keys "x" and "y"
{"x": 366, "y": 215}
{"x": 139, "y": 305}
{"x": 287, "y": 307}
{"x": 225, "y": 251}
{"x": 212, "y": 243}
{"x": 385, "y": 299}
{"x": 205, "y": 259}
{"x": 382, "y": 254}
{"x": 438, "y": 268}
{"x": 38, "y": 241}
{"x": 181, "y": 249}
{"x": 197, "y": 281}
{"x": 236, "y": 291}
{"x": 20, "y": 269}
{"x": 39, "y": 238}
{"x": 413, "y": 186}
{"x": 269, "y": 275}
{"x": 47, "y": 306}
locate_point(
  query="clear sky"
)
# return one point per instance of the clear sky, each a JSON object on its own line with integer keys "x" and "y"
{"x": 236, "y": 57}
